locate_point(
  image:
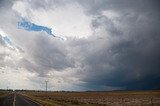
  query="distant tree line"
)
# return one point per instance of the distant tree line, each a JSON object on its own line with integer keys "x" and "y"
{"x": 6, "y": 90}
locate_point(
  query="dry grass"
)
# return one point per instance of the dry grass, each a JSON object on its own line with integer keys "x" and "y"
{"x": 121, "y": 98}
{"x": 4, "y": 93}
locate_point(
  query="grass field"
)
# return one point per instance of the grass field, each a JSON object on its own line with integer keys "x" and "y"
{"x": 114, "y": 98}
{"x": 4, "y": 93}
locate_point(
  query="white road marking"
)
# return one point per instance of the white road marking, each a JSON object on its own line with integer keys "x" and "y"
{"x": 14, "y": 101}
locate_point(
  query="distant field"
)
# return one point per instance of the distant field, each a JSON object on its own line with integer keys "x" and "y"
{"x": 4, "y": 93}
{"x": 115, "y": 98}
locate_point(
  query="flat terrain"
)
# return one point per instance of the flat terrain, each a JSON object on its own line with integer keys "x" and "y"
{"x": 14, "y": 99}
{"x": 24, "y": 101}
{"x": 114, "y": 98}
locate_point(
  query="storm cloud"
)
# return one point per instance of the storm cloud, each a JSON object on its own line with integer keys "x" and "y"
{"x": 119, "y": 48}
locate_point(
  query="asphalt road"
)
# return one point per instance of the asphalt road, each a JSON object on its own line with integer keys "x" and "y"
{"x": 17, "y": 100}
{"x": 8, "y": 100}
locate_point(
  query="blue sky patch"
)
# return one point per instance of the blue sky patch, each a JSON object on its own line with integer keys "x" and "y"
{"x": 24, "y": 24}
{"x": 7, "y": 40}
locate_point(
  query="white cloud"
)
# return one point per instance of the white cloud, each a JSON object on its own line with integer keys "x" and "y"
{"x": 21, "y": 8}
{"x": 20, "y": 78}
{"x": 69, "y": 20}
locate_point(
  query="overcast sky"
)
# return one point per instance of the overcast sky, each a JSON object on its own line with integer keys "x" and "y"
{"x": 80, "y": 44}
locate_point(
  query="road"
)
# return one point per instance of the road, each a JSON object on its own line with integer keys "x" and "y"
{"x": 8, "y": 100}
{"x": 15, "y": 99}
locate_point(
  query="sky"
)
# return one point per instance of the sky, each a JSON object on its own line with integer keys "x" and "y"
{"x": 24, "y": 24}
{"x": 80, "y": 45}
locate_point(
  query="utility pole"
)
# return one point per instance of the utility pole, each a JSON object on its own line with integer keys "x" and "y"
{"x": 46, "y": 87}
{"x": 7, "y": 89}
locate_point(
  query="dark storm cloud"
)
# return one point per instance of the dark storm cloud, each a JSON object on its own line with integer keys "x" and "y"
{"x": 96, "y": 6}
{"x": 124, "y": 66}
{"x": 51, "y": 55}
{"x": 132, "y": 61}
{"x": 47, "y": 54}
{"x": 122, "y": 53}
{"x": 5, "y": 4}
{"x": 125, "y": 55}
{"x": 1, "y": 3}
